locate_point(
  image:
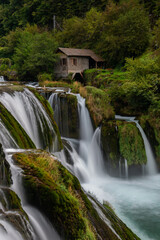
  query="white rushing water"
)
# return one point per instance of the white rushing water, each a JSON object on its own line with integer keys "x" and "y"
{"x": 136, "y": 201}
{"x": 2, "y": 79}
{"x": 5, "y": 137}
{"x": 31, "y": 115}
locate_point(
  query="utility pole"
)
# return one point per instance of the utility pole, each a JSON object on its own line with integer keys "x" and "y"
{"x": 54, "y": 23}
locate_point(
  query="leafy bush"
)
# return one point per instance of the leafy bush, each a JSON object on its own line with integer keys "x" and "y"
{"x": 44, "y": 77}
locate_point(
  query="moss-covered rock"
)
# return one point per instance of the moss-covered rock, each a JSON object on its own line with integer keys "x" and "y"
{"x": 15, "y": 129}
{"x": 59, "y": 195}
{"x": 68, "y": 116}
{"x": 14, "y": 213}
{"x": 50, "y": 113}
{"x": 131, "y": 143}
{"x": 51, "y": 187}
{"x": 5, "y": 172}
{"x": 98, "y": 103}
{"x": 122, "y": 140}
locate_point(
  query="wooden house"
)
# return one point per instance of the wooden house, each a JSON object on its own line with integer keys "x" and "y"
{"x": 76, "y": 61}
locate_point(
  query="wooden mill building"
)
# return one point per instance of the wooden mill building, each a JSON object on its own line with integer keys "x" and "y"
{"x": 75, "y": 61}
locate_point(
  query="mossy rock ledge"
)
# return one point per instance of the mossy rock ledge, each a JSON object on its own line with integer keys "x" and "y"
{"x": 58, "y": 194}
{"x": 122, "y": 140}
{"x": 14, "y": 213}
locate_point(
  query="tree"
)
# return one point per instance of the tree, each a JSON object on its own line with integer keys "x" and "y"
{"x": 35, "y": 54}
{"x": 125, "y": 34}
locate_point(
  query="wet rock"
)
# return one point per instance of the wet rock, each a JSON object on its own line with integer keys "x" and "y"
{"x": 5, "y": 172}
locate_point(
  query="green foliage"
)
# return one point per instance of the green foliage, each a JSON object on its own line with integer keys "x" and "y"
{"x": 34, "y": 54}
{"x": 98, "y": 103}
{"x": 121, "y": 31}
{"x": 44, "y": 77}
{"x": 143, "y": 69}
{"x": 126, "y": 33}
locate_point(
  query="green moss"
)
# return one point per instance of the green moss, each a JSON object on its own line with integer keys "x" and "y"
{"x": 131, "y": 143}
{"x": 15, "y": 129}
{"x": 98, "y": 103}
{"x": 13, "y": 201}
{"x": 50, "y": 113}
{"x": 51, "y": 187}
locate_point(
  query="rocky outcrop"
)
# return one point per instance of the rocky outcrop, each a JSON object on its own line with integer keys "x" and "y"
{"x": 58, "y": 194}
{"x": 122, "y": 141}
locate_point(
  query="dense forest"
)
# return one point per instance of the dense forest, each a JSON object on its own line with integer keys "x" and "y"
{"x": 116, "y": 30}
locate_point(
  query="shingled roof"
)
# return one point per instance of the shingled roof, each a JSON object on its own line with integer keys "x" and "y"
{"x": 74, "y": 52}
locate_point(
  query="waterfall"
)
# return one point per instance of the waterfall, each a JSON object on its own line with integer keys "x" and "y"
{"x": 85, "y": 153}
{"x": 2, "y": 79}
{"x": 5, "y": 137}
{"x": 55, "y": 104}
{"x": 150, "y": 167}
{"x": 126, "y": 168}
{"x": 31, "y": 115}
{"x": 86, "y": 129}
{"x": 37, "y": 228}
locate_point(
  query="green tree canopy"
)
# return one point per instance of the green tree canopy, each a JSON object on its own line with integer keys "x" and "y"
{"x": 34, "y": 54}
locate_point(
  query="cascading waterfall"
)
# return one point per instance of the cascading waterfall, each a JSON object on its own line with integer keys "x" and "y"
{"x": 2, "y": 79}
{"x": 29, "y": 112}
{"x": 55, "y": 104}
{"x": 136, "y": 201}
{"x": 150, "y": 167}
{"x": 31, "y": 115}
{"x": 5, "y": 137}
{"x": 87, "y": 160}
{"x": 41, "y": 228}
{"x": 60, "y": 107}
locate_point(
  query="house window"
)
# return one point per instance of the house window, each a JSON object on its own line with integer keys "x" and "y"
{"x": 64, "y": 61}
{"x": 74, "y": 61}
